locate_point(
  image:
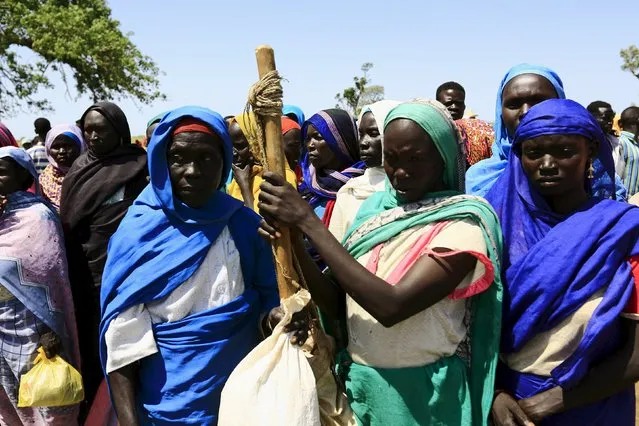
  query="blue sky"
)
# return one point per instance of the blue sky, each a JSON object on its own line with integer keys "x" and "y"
{"x": 206, "y": 50}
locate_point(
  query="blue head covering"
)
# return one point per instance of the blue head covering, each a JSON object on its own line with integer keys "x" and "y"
{"x": 161, "y": 241}
{"x": 159, "y": 244}
{"x": 296, "y": 111}
{"x": 481, "y": 176}
{"x": 21, "y": 157}
{"x": 553, "y": 263}
{"x": 338, "y": 129}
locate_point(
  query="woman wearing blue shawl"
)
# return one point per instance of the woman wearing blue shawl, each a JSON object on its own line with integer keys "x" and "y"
{"x": 186, "y": 281}
{"x": 570, "y": 270}
{"x": 522, "y": 87}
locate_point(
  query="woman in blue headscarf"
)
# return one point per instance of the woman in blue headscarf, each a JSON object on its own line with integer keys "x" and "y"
{"x": 569, "y": 349}
{"x": 330, "y": 158}
{"x": 523, "y": 87}
{"x": 186, "y": 281}
{"x": 294, "y": 113}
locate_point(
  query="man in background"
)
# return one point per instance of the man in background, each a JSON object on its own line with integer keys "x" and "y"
{"x": 38, "y": 152}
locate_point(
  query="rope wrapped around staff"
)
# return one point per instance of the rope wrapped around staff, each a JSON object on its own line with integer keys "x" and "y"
{"x": 265, "y": 100}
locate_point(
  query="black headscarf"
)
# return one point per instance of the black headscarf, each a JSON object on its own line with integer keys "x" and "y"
{"x": 90, "y": 215}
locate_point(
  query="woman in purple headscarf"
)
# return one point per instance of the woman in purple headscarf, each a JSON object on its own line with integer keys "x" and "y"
{"x": 330, "y": 158}
{"x": 570, "y": 342}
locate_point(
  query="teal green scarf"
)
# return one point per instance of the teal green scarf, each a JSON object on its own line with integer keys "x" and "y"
{"x": 446, "y": 392}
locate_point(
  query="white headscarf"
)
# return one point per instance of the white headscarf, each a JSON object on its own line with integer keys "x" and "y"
{"x": 70, "y": 130}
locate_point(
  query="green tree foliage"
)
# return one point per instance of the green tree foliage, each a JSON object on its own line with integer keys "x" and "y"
{"x": 630, "y": 58}
{"x": 77, "y": 39}
{"x": 353, "y": 99}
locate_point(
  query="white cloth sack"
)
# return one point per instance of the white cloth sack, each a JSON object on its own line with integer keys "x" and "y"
{"x": 274, "y": 384}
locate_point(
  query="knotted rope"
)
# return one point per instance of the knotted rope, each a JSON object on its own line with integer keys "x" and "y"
{"x": 265, "y": 99}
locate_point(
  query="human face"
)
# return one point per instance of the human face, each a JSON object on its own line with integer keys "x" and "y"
{"x": 604, "y": 116}
{"x": 13, "y": 177}
{"x": 150, "y": 130}
{"x": 64, "y": 150}
{"x": 556, "y": 164}
{"x": 195, "y": 164}
{"x": 241, "y": 153}
{"x": 522, "y": 93}
{"x": 100, "y": 135}
{"x": 411, "y": 160}
{"x": 292, "y": 141}
{"x": 454, "y": 100}
{"x": 370, "y": 141}
{"x": 319, "y": 153}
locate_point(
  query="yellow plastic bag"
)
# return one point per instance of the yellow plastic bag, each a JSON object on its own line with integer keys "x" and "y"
{"x": 50, "y": 383}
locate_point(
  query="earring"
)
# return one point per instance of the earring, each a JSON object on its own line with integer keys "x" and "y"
{"x": 591, "y": 171}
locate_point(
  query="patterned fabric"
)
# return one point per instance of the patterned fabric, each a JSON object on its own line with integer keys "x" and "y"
{"x": 71, "y": 131}
{"x": 339, "y": 131}
{"x": 478, "y": 136}
{"x": 20, "y": 332}
{"x": 38, "y": 154}
{"x": 630, "y": 155}
{"x": 51, "y": 184}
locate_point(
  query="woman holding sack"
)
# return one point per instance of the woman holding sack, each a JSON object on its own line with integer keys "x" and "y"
{"x": 418, "y": 266}
{"x": 36, "y": 307}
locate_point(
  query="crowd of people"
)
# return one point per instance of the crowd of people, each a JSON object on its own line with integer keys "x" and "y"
{"x": 470, "y": 273}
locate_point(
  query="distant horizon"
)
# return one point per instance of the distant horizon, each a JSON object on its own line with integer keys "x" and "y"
{"x": 206, "y": 52}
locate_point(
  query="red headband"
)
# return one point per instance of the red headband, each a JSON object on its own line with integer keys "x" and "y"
{"x": 191, "y": 124}
{"x": 288, "y": 124}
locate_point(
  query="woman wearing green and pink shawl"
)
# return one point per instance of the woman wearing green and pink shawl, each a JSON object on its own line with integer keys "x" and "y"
{"x": 414, "y": 282}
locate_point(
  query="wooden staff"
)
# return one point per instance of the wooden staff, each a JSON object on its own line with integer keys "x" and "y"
{"x": 276, "y": 162}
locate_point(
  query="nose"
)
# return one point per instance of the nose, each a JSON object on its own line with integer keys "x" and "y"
{"x": 548, "y": 165}
{"x": 310, "y": 145}
{"x": 364, "y": 142}
{"x": 192, "y": 171}
{"x": 400, "y": 174}
{"x": 523, "y": 110}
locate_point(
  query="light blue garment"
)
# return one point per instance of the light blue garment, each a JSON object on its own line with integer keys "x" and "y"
{"x": 296, "y": 111}
{"x": 481, "y": 176}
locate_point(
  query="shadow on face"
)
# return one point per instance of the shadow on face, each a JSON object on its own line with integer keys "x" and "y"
{"x": 605, "y": 117}
{"x": 370, "y": 141}
{"x": 196, "y": 162}
{"x": 411, "y": 160}
{"x": 557, "y": 165}
{"x": 241, "y": 152}
{"x": 319, "y": 153}
{"x": 64, "y": 150}
{"x": 522, "y": 93}
{"x": 292, "y": 141}
{"x": 99, "y": 134}
{"x": 13, "y": 177}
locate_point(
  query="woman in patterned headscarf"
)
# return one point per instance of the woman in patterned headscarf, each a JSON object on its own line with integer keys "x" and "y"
{"x": 64, "y": 144}
{"x": 330, "y": 158}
